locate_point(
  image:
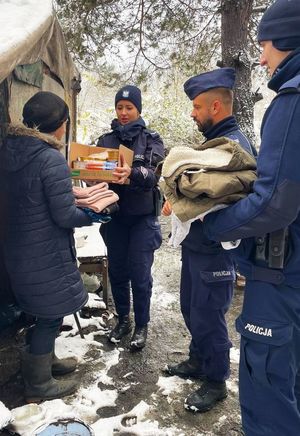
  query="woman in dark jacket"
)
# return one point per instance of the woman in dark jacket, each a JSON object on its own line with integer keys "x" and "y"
{"x": 133, "y": 234}
{"x": 39, "y": 245}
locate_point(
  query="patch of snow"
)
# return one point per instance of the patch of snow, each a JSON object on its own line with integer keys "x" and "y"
{"x": 69, "y": 321}
{"x": 89, "y": 400}
{"x": 75, "y": 346}
{"x": 222, "y": 418}
{"x": 133, "y": 423}
{"x": 163, "y": 299}
{"x": 28, "y": 418}
{"x": 232, "y": 386}
{"x": 95, "y": 302}
{"x": 110, "y": 358}
{"x": 234, "y": 355}
{"x": 168, "y": 385}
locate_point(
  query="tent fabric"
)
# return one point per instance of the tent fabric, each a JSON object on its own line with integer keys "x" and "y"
{"x": 44, "y": 41}
{"x": 30, "y": 73}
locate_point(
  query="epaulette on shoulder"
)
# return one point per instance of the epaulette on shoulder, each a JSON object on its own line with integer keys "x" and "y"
{"x": 152, "y": 133}
{"x": 104, "y": 135}
{"x": 293, "y": 85}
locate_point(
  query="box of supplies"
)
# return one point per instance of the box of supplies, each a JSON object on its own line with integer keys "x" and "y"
{"x": 96, "y": 163}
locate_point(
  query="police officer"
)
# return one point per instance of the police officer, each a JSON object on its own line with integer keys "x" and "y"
{"x": 207, "y": 270}
{"x": 268, "y": 221}
{"x": 134, "y": 233}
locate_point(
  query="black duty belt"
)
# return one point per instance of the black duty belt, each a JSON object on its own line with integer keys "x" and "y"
{"x": 272, "y": 249}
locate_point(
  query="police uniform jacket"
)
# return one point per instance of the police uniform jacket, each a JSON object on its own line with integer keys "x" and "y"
{"x": 274, "y": 203}
{"x": 137, "y": 198}
{"x": 197, "y": 240}
{"x": 40, "y": 215}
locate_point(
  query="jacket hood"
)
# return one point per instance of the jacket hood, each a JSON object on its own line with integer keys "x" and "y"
{"x": 23, "y": 144}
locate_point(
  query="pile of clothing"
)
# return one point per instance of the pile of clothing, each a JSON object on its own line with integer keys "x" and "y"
{"x": 98, "y": 201}
{"x": 195, "y": 180}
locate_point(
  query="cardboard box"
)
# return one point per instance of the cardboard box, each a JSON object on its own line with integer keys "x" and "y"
{"x": 81, "y": 150}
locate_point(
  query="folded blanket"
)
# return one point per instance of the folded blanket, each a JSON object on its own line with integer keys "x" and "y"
{"x": 96, "y": 197}
{"x": 100, "y": 205}
{"x": 90, "y": 190}
{"x": 220, "y": 171}
{"x": 85, "y": 202}
{"x": 219, "y": 154}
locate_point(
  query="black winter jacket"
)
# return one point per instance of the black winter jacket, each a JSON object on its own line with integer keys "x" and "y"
{"x": 40, "y": 214}
{"x": 137, "y": 197}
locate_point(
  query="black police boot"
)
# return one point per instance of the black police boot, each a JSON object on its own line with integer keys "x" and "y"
{"x": 121, "y": 329}
{"x": 206, "y": 397}
{"x": 139, "y": 337}
{"x": 188, "y": 368}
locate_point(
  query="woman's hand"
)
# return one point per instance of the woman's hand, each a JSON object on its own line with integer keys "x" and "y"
{"x": 122, "y": 172}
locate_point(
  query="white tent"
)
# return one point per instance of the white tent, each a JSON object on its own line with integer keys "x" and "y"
{"x": 33, "y": 57}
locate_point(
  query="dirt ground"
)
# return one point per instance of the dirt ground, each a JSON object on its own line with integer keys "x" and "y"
{"x": 168, "y": 342}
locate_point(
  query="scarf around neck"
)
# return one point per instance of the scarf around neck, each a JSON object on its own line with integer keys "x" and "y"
{"x": 128, "y": 131}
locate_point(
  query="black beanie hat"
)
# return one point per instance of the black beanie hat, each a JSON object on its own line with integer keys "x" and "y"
{"x": 45, "y": 111}
{"x": 131, "y": 93}
{"x": 281, "y": 25}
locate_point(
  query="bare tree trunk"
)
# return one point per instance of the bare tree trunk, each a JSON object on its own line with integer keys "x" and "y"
{"x": 235, "y": 17}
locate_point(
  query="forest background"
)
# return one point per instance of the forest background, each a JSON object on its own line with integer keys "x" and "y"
{"x": 157, "y": 45}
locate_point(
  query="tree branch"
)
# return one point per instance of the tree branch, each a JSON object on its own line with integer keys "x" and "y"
{"x": 142, "y": 5}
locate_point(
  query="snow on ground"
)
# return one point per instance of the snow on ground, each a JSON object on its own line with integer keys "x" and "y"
{"x": 163, "y": 299}
{"x": 234, "y": 355}
{"x": 233, "y": 386}
{"x": 169, "y": 385}
{"x": 125, "y": 393}
{"x": 88, "y": 399}
{"x": 131, "y": 423}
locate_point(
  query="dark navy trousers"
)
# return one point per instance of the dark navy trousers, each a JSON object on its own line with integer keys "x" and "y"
{"x": 41, "y": 337}
{"x": 270, "y": 360}
{"x": 131, "y": 242}
{"x": 205, "y": 295}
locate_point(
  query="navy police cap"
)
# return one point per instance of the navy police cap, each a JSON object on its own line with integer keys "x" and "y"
{"x": 220, "y": 78}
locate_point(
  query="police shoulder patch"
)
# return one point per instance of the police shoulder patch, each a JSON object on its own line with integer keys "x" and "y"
{"x": 144, "y": 171}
